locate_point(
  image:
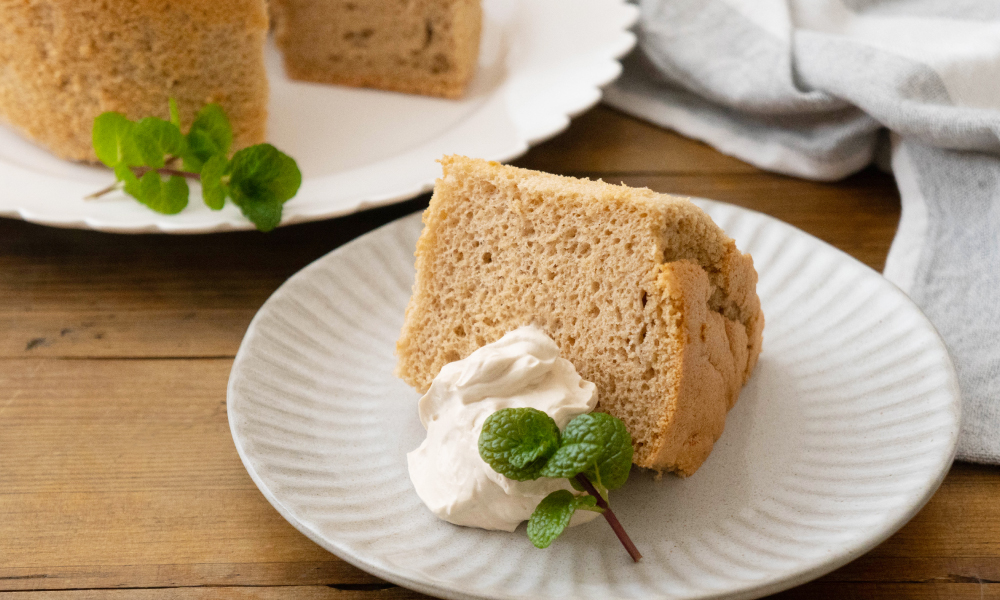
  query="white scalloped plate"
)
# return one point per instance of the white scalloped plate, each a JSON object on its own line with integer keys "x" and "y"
{"x": 541, "y": 62}
{"x": 845, "y": 430}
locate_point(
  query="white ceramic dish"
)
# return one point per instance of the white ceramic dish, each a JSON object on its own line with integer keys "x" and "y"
{"x": 541, "y": 62}
{"x": 846, "y": 428}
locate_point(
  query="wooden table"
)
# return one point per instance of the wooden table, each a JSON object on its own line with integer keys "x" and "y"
{"x": 118, "y": 476}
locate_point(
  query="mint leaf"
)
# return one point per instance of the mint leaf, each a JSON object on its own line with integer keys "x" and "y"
{"x": 262, "y": 179}
{"x": 113, "y": 140}
{"x": 148, "y": 189}
{"x": 210, "y": 135}
{"x": 155, "y": 138}
{"x": 264, "y": 173}
{"x": 166, "y": 197}
{"x": 572, "y": 458}
{"x": 615, "y": 463}
{"x": 175, "y": 114}
{"x": 174, "y": 195}
{"x": 516, "y": 442}
{"x": 597, "y": 445}
{"x": 131, "y": 183}
{"x": 552, "y": 516}
{"x": 213, "y": 190}
{"x": 266, "y": 217}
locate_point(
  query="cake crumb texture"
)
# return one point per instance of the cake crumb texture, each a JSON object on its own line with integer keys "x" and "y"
{"x": 643, "y": 293}
{"x": 64, "y": 62}
{"x": 414, "y": 46}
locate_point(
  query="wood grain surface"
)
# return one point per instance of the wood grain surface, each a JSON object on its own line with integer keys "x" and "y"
{"x": 118, "y": 476}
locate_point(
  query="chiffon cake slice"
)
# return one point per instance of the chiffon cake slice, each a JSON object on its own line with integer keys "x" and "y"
{"x": 643, "y": 293}
{"x": 414, "y": 46}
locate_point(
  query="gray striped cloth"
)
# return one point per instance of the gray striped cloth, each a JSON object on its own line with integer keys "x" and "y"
{"x": 820, "y": 89}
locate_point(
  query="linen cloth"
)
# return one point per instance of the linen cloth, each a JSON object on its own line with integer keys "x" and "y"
{"x": 822, "y": 88}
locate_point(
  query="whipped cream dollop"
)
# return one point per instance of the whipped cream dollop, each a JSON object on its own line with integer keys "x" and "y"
{"x": 521, "y": 369}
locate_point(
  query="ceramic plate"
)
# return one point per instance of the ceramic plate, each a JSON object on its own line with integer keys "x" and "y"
{"x": 541, "y": 62}
{"x": 846, "y": 428}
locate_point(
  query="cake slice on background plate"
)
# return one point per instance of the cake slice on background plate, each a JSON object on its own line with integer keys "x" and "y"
{"x": 67, "y": 61}
{"x": 643, "y": 293}
{"x": 425, "y": 47}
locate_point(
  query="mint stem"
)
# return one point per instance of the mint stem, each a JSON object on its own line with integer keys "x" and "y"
{"x": 139, "y": 172}
{"x": 609, "y": 515}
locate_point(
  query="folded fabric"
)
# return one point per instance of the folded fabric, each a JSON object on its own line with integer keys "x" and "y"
{"x": 822, "y": 88}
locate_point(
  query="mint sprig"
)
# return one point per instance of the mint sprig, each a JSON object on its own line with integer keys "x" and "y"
{"x": 258, "y": 179}
{"x": 594, "y": 452}
{"x": 210, "y": 135}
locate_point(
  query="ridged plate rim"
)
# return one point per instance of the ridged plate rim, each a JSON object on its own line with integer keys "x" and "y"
{"x": 934, "y": 474}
